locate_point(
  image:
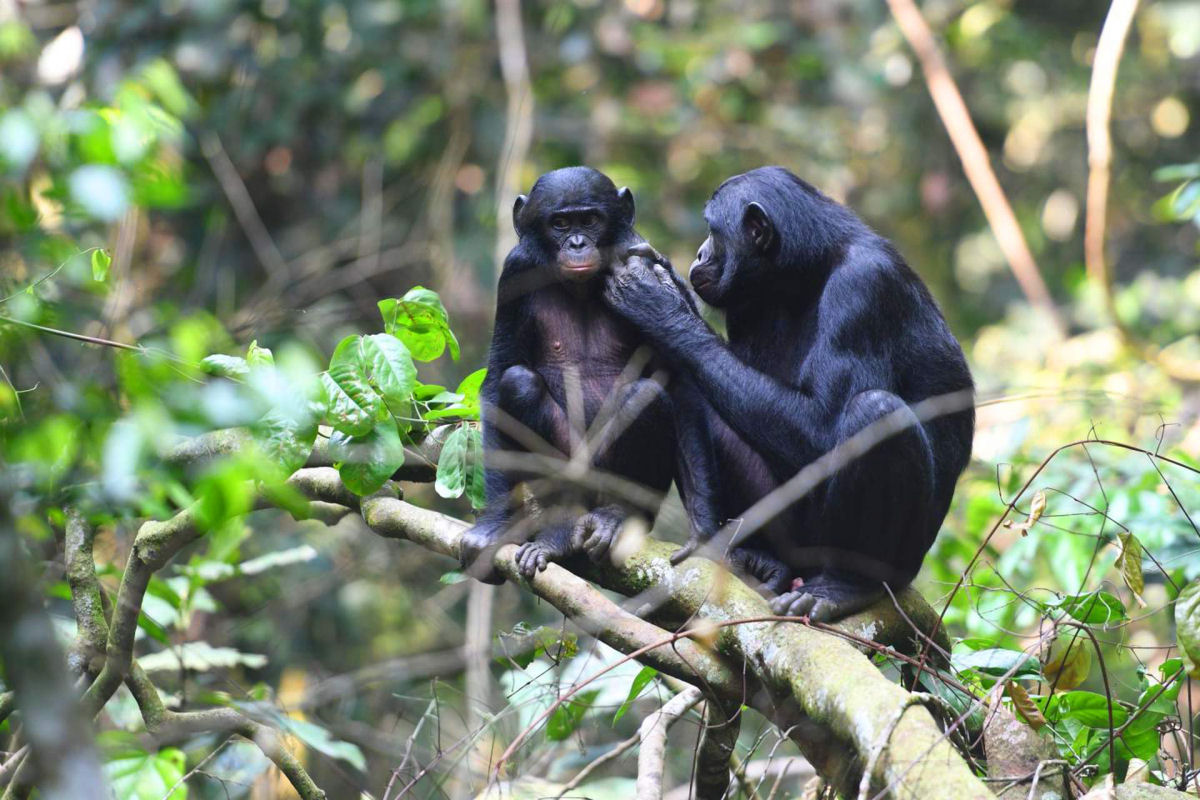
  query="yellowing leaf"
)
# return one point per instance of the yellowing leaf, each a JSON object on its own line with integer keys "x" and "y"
{"x": 1037, "y": 507}
{"x": 1024, "y": 705}
{"x": 1068, "y": 660}
{"x": 1130, "y": 564}
{"x": 1187, "y": 627}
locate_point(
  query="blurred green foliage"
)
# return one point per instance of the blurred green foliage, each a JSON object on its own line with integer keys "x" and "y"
{"x": 190, "y": 179}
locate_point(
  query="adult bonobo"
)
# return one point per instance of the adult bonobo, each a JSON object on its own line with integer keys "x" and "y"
{"x": 569, "y": 378}
{"x": 829, "y": 332}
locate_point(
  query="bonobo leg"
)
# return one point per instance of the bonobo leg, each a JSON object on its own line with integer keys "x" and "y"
{"x": 523, "y": 396}
{"x": 772, "y": 577}
{"x": 872, "y": 519}
{"x": 636, "y": 443}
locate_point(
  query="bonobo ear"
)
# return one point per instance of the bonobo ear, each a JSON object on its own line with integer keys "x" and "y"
{"x": 625, "y": 199}
{"x": 522, "y": 199}
{"x": 757, "y": 225}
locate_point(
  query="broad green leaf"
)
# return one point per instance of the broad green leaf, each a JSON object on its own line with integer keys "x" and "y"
{"x": 101, "y": 261}
{"x": 390, "y": 369}
{"x": 136, "y": 774}
{"x": 1187, "y": 627}
{"x": 226, "y": 366}
{"x": 286, "y": 441}
{"x": 372, "y": 459}
{"x": 566, "y": 717}
{"x": 420, "y": 321}
{"x": 1093, "y": 608}
{"x": 1141, "y": 736}
{"x": 1130, "y": 565}
{"x": 640, "y": 682}
{"x": 470, "y": 385}
{"x": 354, "y": 405}
{"x": 322, "y": 741}
{"x": 1090, "y": 709}
{"x": 452, "y": 464}
{"x": 427, "y": 392}
{"x": 998, "y": 662}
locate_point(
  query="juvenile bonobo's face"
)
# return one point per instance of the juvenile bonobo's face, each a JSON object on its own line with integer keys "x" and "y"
{"x": 576, "y": 215}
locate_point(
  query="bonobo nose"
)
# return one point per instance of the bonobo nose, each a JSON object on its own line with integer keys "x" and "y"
{"x": 577, "y": 242}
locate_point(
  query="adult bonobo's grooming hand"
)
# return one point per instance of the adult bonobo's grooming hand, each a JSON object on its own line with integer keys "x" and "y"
{"x": 645, "y": 290}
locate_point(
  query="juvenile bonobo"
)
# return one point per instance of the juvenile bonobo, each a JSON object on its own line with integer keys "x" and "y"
{"x": 566, "y": 371}
{"x": 830, "y": 333}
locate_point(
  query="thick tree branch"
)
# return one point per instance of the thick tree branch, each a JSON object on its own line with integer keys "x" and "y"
{"x": 840, "y": 696}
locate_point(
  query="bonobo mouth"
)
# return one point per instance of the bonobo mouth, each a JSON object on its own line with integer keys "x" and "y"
{"x": 703, "y": 278}
{"x": 580, "y": 266}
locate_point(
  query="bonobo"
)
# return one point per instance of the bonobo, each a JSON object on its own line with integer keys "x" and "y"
{"x": 566, "y": 373}
{"x": 829, "y": 333}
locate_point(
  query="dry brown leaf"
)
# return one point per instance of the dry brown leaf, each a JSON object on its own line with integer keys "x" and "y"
{"x": 1024, "y": 705}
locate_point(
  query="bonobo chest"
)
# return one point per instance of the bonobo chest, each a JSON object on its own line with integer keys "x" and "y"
{"x": 579, "y": 332}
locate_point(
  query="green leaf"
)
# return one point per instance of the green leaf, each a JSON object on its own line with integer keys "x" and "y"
{"x": 372, "y": 459}
{"x": 391, "y": 369}
{"x": 998, "y": 662}
{"x": 476, "y": 477}
{"x": 1094, "y": 608}
{"x": 566, "y": 717}
{"x": 101, "y": 261}
{"x": 226, "y": 366}
{"x": 1187, "y": 627}
{"x": 136, "y": 774}
{"x": 470, "y": 385}
{"x": 640, "y": 682}
{"x": 259, "y": 356}
{"x": 353, "y": 404}
{"x": 322, "y": 741}
{"x": 452, "y": 464}
{"x": 420, "y": 321}
{"x": 285, "y": 440}
{"x": 1090, "y": 709}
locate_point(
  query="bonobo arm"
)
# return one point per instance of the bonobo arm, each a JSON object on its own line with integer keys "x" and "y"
{"x": 509, "y": 346}
{"x": 782, "y": 422}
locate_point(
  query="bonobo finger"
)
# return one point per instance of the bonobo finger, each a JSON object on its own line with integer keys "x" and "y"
{"x": 644, "y": 250}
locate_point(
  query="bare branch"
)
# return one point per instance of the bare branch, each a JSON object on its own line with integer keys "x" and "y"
{"x": 957, "y": 119}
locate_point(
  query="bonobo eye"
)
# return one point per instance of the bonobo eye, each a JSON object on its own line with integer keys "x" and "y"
{"x": 559, "y": 222}
{"x": 589, "y": 220}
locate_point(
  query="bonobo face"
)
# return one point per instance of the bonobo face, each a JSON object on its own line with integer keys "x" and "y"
{"x": 575, "y": 214}
{"x": 741, "y": 241}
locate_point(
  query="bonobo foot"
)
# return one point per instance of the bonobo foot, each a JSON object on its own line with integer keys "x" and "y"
{"x": 551, "y": 545}
{"x": 772, "y": 575}
{"x": 477, "y": 551}
{"x": 825, "y": 599}
{"x": 596, "y": 531}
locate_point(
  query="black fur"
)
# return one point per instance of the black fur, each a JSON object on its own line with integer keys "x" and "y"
{"x": 551, "y": 322}
{"x": 829, "y": 331}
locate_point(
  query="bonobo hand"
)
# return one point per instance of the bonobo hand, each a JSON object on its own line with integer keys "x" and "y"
{"x": 477, "y": 550}
{"x": 645, "y": 290}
